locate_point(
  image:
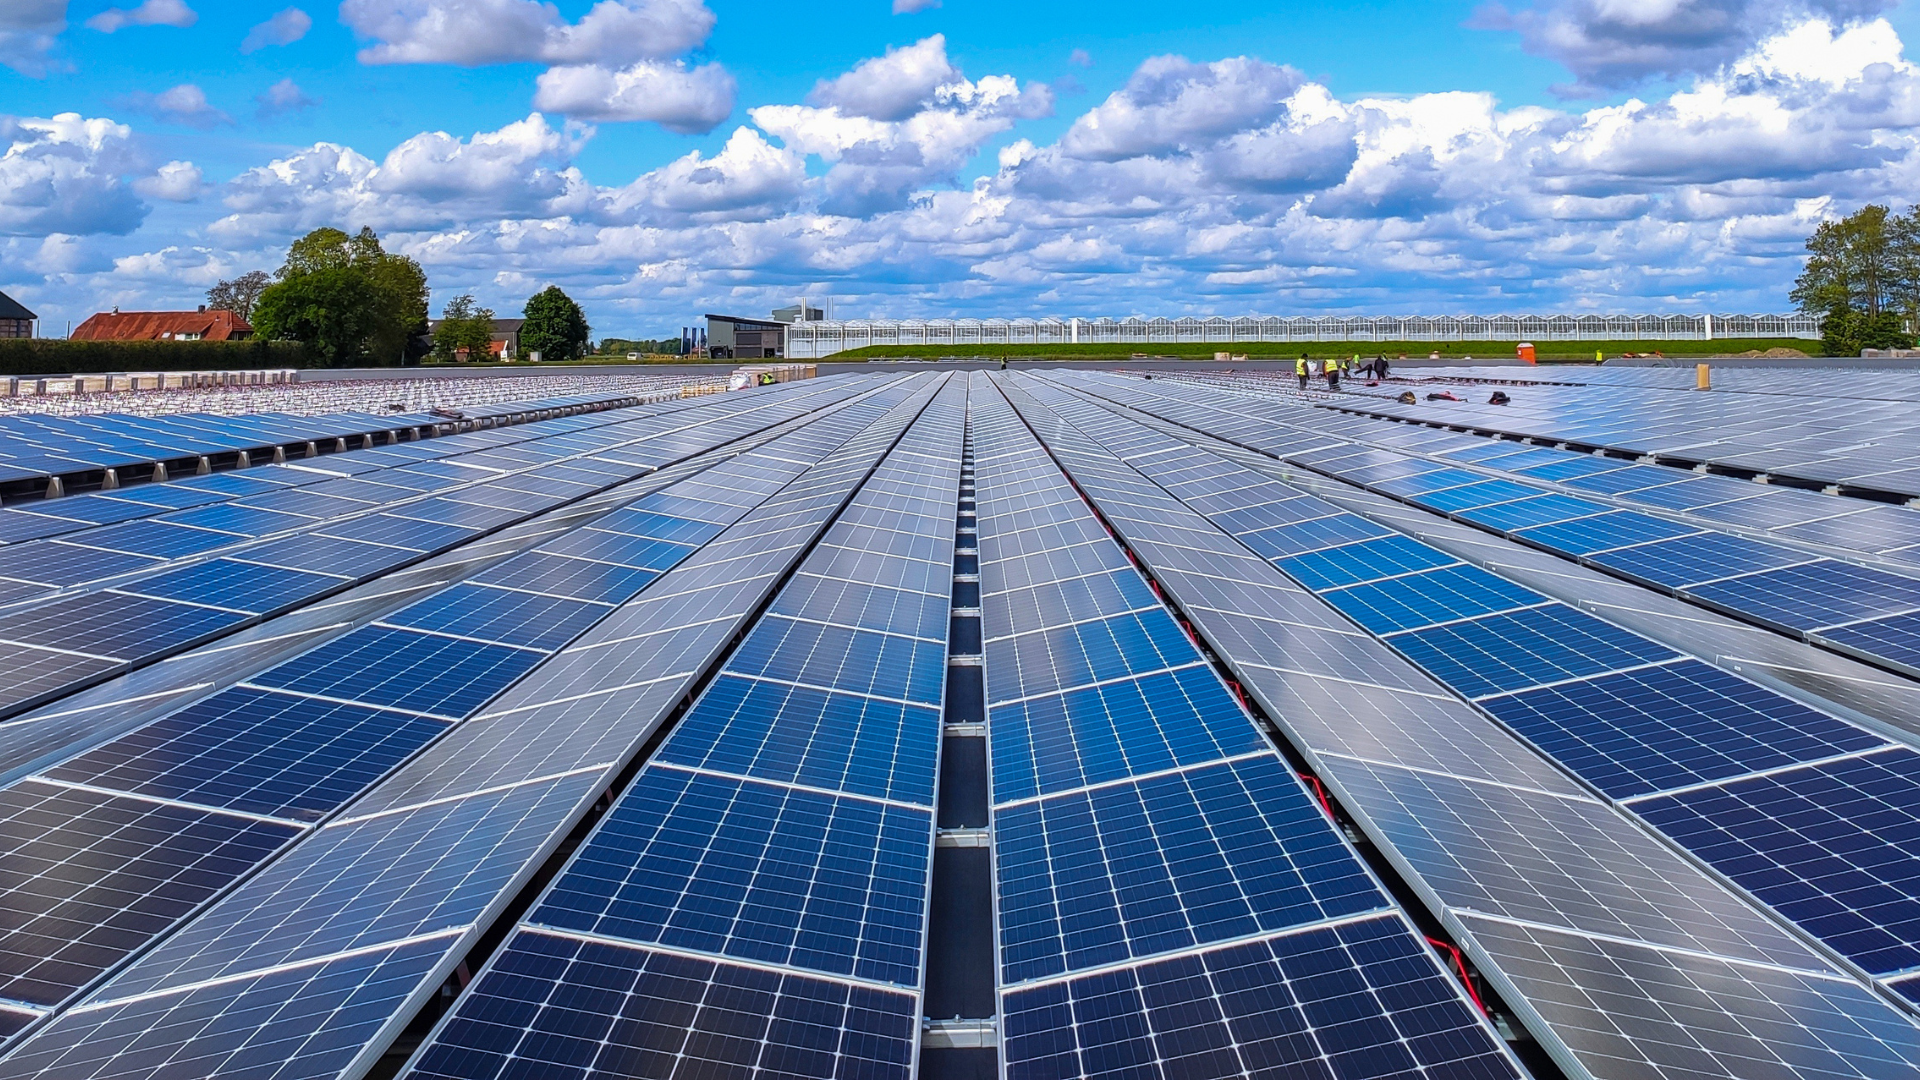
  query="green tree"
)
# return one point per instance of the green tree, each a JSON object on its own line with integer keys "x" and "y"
{"x": 381, "y": 297}
{"x": 1849, "y": 262}
{"x": 464, "y": 327}
{"x": 330, "y": 311}
{"x": 1846, "y": 331}
{"x": 556, "y": 328}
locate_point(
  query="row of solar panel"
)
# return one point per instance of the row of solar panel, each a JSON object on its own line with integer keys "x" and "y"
{"x": 87, "y": 636}
{"x": 1655, "y": 724}
{"x": 762, "y": 830}
{"x": 360, "y": 908}
{"x": 1142, "y": 822}
{"x": 1476, "y": 820}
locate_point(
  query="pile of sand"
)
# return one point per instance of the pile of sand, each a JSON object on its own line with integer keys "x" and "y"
{"x": 1770, "y": 354}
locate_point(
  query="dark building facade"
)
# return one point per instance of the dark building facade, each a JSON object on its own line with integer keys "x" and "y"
{"x": 730, "y": 337}
{"x": 15, "y": 320}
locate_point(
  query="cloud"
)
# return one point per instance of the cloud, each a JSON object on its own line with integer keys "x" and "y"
{"x": 283, "y": 97}
{"x": 748, "y": 178}
{"x": 27, "y": 32}
{"x": 908, "y": 7}
{"x": 284, "y": 28}
{"x": 184, "y": 104}
{"x": 149, "y": 13}
{"x": 1171, "y": 102}
{"x": 176, "y": 181}
{"x": 689, "y": 100}
{"x": 471, "y": 33}
{"x": 890, "y": 87}
{"x": 1080, "y": 58}
{"x": 64, "y": 175}
{"x": 1616, "y": 44}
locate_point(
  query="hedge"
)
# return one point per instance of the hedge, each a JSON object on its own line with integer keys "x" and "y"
{"x": 58, "y": 356}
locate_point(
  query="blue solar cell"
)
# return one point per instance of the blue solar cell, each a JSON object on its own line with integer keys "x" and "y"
{"x": 402, "y": 532}
{"x": 237, "y": 585}
{"x": 1108, "y": 732}
{"x": 637, "y": 520}
{"x": 1305, "y": 536}
{"x": 1634, "y": 732}
{"x": 1364, "y": 562}
{"x": 1761, "y": 511}
{"x": 619, "y": 548}
{"x": 52, "y": 562}
{"x": 1539, "y": 510}
{"x": 500, "y": 615}
{"x": 1822, "y": 593}
{"x": 100, "y": 510}
{"x": 403, "y": 669}
{"x": 1572, "y": 467}
{"x": 755, "y": 871}
{"x": 155, "y": 538}
{"x": 1424, "y": 483}
{"x": 170, "y": 496}
{"x": 115, "y": 625}
{"x": 1673, "y": 564}
{"x": 327, "y": 554}
{"x": 17, "y": 526}
{"x": 805, "y": 736}
{"x": 1618, "y": 528}
{"x": 1690, "y": 493}
{"x": 1895, "y": 640}
{"x": 1404, "y": 603}
{"x": 1486, "y": 493}
{"x": 237, "y": 519}
{"x": 858, "y": 661}
{"x": 1166, "y": 863}
{"x": 1046, "y": 661}
{"x": 1359, "y": 1001}
{"x": 577, "y": 579}
{"x": 260, "y": 752}
{"x": 576, "y": 1010}
{"x": 1512, "y": 651}
{"x": 1834, "y": 847}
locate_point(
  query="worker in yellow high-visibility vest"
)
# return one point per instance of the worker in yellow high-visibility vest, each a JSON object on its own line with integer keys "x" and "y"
{"x": 1300, "y": 369}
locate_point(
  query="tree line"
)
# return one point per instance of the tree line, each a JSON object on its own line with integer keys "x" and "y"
{"x": 352, "y": 303}
{"x": 1863, "y": 278}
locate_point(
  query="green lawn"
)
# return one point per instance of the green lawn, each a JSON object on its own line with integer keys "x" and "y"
{"x": 1267, "y": 350}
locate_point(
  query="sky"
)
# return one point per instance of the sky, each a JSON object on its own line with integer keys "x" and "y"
{"x": 660, "y": 159}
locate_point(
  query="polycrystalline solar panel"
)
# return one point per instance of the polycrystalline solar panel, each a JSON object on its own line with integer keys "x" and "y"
{"x": 404, "y": 669}
{"x": 241, "y": 586}
{"x": 1046, "y": 661}
{"x": 465, "y": 515}
{"x": 1893, "y": 641}
{"x": 1424, "y": 483}
{"x": 620, "y": 548}
{"x": 34, "y": 674}
{"x": 641, "y": 520}
{"x": 115, "y": 626}
{"x": 100, "y": 510}
{"x": 556, "y": 1007}
{"x": 575, "y": 579}
{"x": 1101, "y": 733}
{"x": 1618, "y": 528}
{"x": 1880, "y": 528}
{"x": 1834, "y": 847}
{"x": 1615, "y": 1003}
{"x": 1538, "y": 510}
{"x": 1690, "y": 493}
{"x": 1367, "y": 561}
{"x": 1166, "y": 863}
{"x": 1500, "y": 653}
{"x": 1314, "y": 535}
{"x": 1355, "y": 1001}
{"x": 856, "y": 603}
{"x": 812, "y": 737}
{"x": 327, "y": 555}
{"x": 55, "y": 563}
{"x": 19, "y": 526}
{"x": 500, "y": 615}
{"x": 1485, "y": 493}
{"x": 403, "y": 532}
{"x": 156, "y": 539}
{"x": 755, "y": 871}
{"x": 238, "y": 519}
{"x": 1634, "y": 732}
{"x": 1436, "y": 596}
{"x": 1619, "y": 481}
{"x": 1557, "y": 860}
{"x": 1813, "y": 595}
{"x": 256, "y": 752}
{"x": 92, "y": 877}
{"x": 857, "y": 661}
{"x": 345, "y": 1003}
{"x": 1673, "y": 564}
{"x": 1765, "y": 511}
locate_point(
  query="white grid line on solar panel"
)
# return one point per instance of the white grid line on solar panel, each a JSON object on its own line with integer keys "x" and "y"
{"x": 812, "y": 789}
{"x": 445, "y": 800}
{"x": 716, "y": 958}
{"x": 173, "y": 991}
{"x": 997, "y": 566}
{"x": 1823, "y": 974}
{"x": 1102, "y": 617}
{"x": 1453, "y": 562}
{"x": 62, "y": 652}
{"x": 834, "y": 687}
{"x": 1199, "y": 950}
{"x": 1550, "y": 684}
{"x": 803, "y": 572}
{"x": 339, "y": 700}
{"x": 608, "y": 604}
{"x": 162, "y": 801}
{"x": 1489, "y": 849}
{"x": 1757, "y": 774}
{"x": 1571, "y": 793}
{"x": 1135, "y": 778}
{"x": 1866, "y": 619}
{"x": 384, "y": 625}
{"x": 1132, "y": 676}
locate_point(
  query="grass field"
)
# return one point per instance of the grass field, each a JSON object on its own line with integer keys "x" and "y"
{"x": 1268, "y": 350}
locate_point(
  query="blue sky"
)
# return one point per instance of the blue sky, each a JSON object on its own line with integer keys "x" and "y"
{"x": 978, "y": 157}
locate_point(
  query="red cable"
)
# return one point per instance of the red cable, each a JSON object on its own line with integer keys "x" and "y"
{"x": 1319, "y": 791}
{"x": 1460, "y": 965}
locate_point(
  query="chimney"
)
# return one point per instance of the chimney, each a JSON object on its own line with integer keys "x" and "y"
{"x": 116, "y": 309}
{"x": 203, "y": 309}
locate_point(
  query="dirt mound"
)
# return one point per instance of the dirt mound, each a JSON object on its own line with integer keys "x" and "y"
{"x": 1770, "y": 354}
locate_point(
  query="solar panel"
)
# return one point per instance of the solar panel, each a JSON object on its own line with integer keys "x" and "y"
{"x": 501, "y": 616}
{"x": 1433, "y": 596}
{"x": 1496, "y": 654}
{"x": 115, "y": 626}
{"x": 1813, "y": 595}
{"x": 1647, "y": 729}
{"x": 404, "y": 669}
{"x": 235, "y": 585}
{"x": 1690, "y": 560}
{"x": 658, "y": 1014}
{"x": 1353, "y": 1000}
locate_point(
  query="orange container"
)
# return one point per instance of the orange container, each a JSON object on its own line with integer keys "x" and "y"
{"x": 1526, "y": 351}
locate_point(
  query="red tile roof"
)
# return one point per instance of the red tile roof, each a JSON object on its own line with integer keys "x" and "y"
{"x": 161, "y": 325}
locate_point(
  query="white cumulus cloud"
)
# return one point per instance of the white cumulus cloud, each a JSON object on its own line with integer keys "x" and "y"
{"x": 184, "y": 104}
{"x": 149, "y": 13}
{"x": 476, "y": 32}
{"x": 176, "y": 181}
{"x": 27, "y": 32}
{"x": 285, "y": 28}
{"x": 284, "y": 96}
{"x": 669, "y": 93}
{"x": 891, "y": 87}
{"x": 65, "y": 175}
